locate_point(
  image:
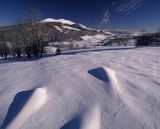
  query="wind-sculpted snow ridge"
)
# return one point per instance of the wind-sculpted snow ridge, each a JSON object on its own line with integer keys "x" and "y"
{"x": 101, "y": 88}
{"x": 108, "y": 76}
{"x": 92, "y": 120}
{"x": 23, "y": 107}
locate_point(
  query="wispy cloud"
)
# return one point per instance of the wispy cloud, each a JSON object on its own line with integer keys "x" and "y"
{"x": 114, "y": 3}
{"x": 106, "y": 18}
{"x": 120, "y": 6}
{"x": 128, "y": 6}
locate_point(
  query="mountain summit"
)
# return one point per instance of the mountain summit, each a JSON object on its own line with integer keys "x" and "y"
{"x": 64, "y": 21}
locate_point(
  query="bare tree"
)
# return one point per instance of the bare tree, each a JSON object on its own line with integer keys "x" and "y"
{"x": 44, "y": 35}
{"x": 29, "y": 38}
{"x": 34, "y": 17}
{"x": 4, "y": 50}
{"x": 71, "y": 46}
{"x": 26, "y": 40}
{"x": 30, "y": 33}
{"x": 39, "y": 32}
{"x": 16, "y": 39}
{"x": 4, "y": 46}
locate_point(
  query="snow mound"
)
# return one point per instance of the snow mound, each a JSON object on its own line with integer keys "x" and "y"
{"x": 108, "y": 76}
{"x": 92, "y": 119}
{"x": 25, "y": 104}
{"x": 111, "y": 75}
{"x": 58, "y": 20}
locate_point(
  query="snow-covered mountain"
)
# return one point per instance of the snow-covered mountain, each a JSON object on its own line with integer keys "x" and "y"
{"x": 64, "y": 21}
{"x": 73, "y": 30}
{"x": 64, "y": 30}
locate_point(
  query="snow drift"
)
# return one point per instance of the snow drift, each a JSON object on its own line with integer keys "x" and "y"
{"x": 25, "y": 104}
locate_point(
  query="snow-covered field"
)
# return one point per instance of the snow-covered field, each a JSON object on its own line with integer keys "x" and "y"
{"x": 104, "y": 88}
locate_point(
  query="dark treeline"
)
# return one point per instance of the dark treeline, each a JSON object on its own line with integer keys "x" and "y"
{"x": 150, "y": 39}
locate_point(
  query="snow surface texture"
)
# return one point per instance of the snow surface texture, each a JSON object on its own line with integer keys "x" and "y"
{"x": 104, "y": 88}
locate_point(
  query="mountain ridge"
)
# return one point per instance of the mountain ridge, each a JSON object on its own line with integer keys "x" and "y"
{"x": 63, "y": 30}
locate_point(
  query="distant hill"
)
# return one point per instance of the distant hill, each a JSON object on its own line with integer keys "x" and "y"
{"x": 63, "y": 30}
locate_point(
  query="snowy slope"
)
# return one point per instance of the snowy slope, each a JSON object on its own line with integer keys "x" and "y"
{"x": 84, "y": 27}
{"x": 103, "y": 88}
{"x": 95, "y": 37}
{"x": 58, "y": 28}
{"x": 71, "y": 28}
{"x": 91, "y": 40}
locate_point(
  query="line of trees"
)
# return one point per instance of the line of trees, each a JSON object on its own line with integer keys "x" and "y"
{"x": 151, "y": 39}
{"x": 25, "y": 39}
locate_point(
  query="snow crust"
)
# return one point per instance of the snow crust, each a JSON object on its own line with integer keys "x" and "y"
{"x": 101, "y": 88}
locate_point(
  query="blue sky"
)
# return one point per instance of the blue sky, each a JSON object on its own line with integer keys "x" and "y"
{"x": 131, "y": 15}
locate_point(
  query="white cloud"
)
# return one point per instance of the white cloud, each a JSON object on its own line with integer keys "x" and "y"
{"x": 106, "y": 18}
{"x": 120, "y": 6}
